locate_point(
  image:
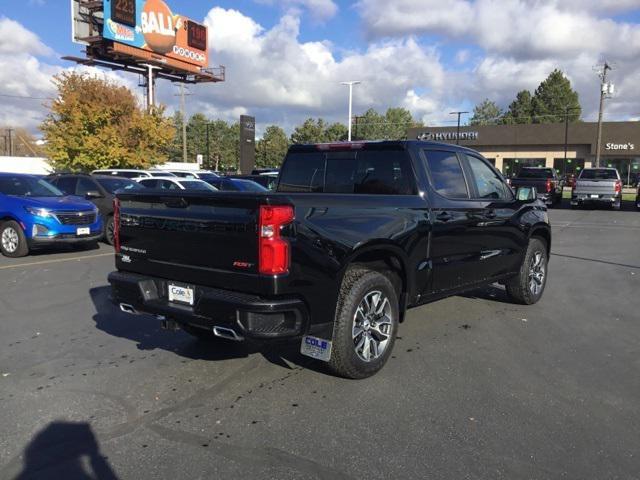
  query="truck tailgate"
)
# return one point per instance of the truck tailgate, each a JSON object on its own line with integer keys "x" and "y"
{"x": 599, "y": 187}
{"x": 204, "y": 238}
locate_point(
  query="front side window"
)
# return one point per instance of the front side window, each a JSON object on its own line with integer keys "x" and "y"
{"x": 84, "y": 186}
{"x": 446, "y": 174}
{"x": 488, "y": 184}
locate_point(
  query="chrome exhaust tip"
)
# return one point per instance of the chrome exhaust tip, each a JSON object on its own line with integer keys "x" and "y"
{"x": 126, "y": 308}
{"x": 227, "y": 333}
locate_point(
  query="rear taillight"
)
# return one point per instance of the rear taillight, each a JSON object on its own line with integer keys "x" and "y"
{"x": 549, "y": 185}
{"x": 618, "y": 186}
{"x": 273, "y": 253}
{"x": 116, "y": 224}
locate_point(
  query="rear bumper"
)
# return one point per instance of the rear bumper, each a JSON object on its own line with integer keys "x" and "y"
{"x": 577, "y": 199}
{"x": 248, "y": 315}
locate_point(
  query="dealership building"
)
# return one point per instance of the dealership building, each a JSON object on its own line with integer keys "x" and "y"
{"x": 510, "y": 147}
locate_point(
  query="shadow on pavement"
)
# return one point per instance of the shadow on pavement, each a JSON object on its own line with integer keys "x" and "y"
{"x": 146, "y": 332}
{"x": 494, "y": 293}
{"x": 66, "y": 450}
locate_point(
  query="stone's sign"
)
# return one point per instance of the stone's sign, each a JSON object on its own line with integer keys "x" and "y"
{"x": 620, "y": 146}
{"x": 447, "y": 136}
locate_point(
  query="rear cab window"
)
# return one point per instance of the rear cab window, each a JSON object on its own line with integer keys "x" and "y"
{"x": 536, "y": 173}
{"x": 363, "y": 172}
{"x": 598, "y": 174}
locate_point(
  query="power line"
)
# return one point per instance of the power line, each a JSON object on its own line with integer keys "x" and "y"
{"x": 26, "y": 97}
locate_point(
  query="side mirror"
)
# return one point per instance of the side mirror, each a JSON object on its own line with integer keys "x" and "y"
{"x": 92, "y": 194}
{"x": 526, "y": 194}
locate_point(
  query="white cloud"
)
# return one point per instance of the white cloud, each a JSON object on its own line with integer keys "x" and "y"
{"x": 519, "y": 28}
{"x": 14, "y": 38}
{"x": 320, "y": 10}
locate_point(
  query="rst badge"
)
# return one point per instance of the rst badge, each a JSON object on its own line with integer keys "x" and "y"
{"x": 317, "y": 348}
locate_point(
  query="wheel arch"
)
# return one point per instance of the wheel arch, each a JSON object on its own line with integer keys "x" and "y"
{"x": 544, "y": 232}
{"x": 385, "y": 257}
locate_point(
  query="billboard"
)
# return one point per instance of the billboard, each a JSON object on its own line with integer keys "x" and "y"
{"x": 149, "y": 30}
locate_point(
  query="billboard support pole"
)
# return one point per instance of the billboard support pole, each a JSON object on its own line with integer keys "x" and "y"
{"x": 150, "y": 83}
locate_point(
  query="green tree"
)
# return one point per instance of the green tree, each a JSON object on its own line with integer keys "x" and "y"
{"x": 272, "y": 147}
{"x": 336, "y": 132}
{"x": 311, "y": 131}
{"x": 397, "y": 121}
{"x": 197, "y": 136}
{"x": 175, "y": 150}
{"x": 486, "y": 112}
{"x": 94, "y": 123}
{"x": 370, "y": 126}
{"x": 520, "y": 110}
{"x": 553, "y": 97}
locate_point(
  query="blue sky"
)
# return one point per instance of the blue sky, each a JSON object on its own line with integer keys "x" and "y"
{"x": 285, "y": 58}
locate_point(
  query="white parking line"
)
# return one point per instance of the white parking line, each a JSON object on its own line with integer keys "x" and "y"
{"x": 57, "y": 260}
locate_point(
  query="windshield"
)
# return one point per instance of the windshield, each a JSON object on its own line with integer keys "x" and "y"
{"x": 197, "y": 185}
{"x": 161, "y": 174}
{"x": 24, "y": 186}
{"x": 536, "y": 173}
{"x": 113, "y": 184}
{"x": 599, "y": 174}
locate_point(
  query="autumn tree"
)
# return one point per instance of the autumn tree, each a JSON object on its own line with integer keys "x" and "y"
{"x": 95, "y": 123}
{"x": 486, "y": 112}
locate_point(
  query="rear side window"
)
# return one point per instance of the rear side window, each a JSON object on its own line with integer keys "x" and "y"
{"x": 446, "y": 174}
{"x": 365, "y": 172}
{"x": 303, "y": 173}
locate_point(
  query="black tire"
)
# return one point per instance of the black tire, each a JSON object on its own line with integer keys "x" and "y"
{"x": 13, "y": 242}
{"x": 358, "y": 285}
{"x": 524, "y": 288}
{"x": 202, "y": 334}
{"x": 617, "y": 206}
{"x": 108, "y": 230}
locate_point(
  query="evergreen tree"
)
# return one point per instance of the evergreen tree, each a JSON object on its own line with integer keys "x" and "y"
{"x": 486, "y": 112}
{"x": 397, "y": 121}
{"x": 553, "y": 97}
{"x": 311, "y": 131}
{"x": 272, "y": 147}
{"x": 336, "y": 132}
{"x": 520, "y": 110}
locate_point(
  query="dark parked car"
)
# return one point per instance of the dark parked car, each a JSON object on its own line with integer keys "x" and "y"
{"x": 355, "y": 234}
{"x": 228, "y": 184}
{"x": 99, "y": 189}
{"x": 545, "y": 180}
{"x": 268, "y": 181}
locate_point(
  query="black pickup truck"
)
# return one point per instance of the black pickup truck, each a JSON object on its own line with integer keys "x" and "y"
{"x": 546, "y": 181}
{"x": 354, "y": 235}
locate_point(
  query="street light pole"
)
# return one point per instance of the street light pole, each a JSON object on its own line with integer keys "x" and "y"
{"x": 351, "y": 84}
{"x": 603, "y": 93}
{"x": 458, "y": 130}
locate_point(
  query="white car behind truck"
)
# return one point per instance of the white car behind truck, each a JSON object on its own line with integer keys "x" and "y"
{"x": 597, "y": 186}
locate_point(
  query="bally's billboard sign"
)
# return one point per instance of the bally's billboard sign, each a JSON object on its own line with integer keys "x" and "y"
{"x": 447, "y": 136}
{"x": 153, "y": 32}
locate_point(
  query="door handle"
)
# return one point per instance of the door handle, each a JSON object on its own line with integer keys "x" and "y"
{"x": 444, "y": 216}
{"x": 490, "y": 214}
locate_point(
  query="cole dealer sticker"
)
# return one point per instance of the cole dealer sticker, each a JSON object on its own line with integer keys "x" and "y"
{"x": 315, "y": 347}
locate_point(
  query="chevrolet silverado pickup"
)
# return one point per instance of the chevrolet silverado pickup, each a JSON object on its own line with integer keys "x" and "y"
{"x": 600, "y": 186}
{"x": 353, "y": 236}
{"x": 545, "y": 180}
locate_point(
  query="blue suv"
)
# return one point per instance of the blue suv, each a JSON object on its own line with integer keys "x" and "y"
{"x": 34, "y": 213}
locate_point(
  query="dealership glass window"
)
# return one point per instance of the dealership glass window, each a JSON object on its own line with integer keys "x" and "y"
{"x": 488, "y": 184}
{"x": 629, "y": 168}
{"x": 492, "y": 161}
{"x": 446, "y": 174}
{"x": 573, "y": 166}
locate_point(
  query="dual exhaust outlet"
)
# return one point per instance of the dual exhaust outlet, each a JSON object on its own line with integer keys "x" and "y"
{"x": 222, "y": 332}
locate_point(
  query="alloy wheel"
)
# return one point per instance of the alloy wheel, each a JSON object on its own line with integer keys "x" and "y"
{"x": 372, "y": 325}
{"x": 537, "y": 271}
{"x": 10, "y": 240}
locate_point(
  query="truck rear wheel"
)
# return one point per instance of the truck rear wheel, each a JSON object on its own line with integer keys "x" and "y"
{"x": 366, "y": 324}
{"x": 528, "y": 286}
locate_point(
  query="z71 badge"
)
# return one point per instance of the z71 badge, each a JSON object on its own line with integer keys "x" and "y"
{"x": 316, "y": 348}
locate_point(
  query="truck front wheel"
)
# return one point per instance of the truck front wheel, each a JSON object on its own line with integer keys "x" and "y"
{"x": 528, "y": 286}
{"x": 366, "y": 323}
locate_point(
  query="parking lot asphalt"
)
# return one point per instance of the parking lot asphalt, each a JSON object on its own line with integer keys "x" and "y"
{"x": 476, "y": 388}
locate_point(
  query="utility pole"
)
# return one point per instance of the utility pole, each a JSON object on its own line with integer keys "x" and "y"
{"x": 350, "y": 84}
{"x": 150, "y": 83}
{"x": 10, "y": 135}
{"x": 458, "y": 130}
{"x": 605, "y": 89}
{"x": 182, "y": 96}
{"x": 566, "y": 136}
